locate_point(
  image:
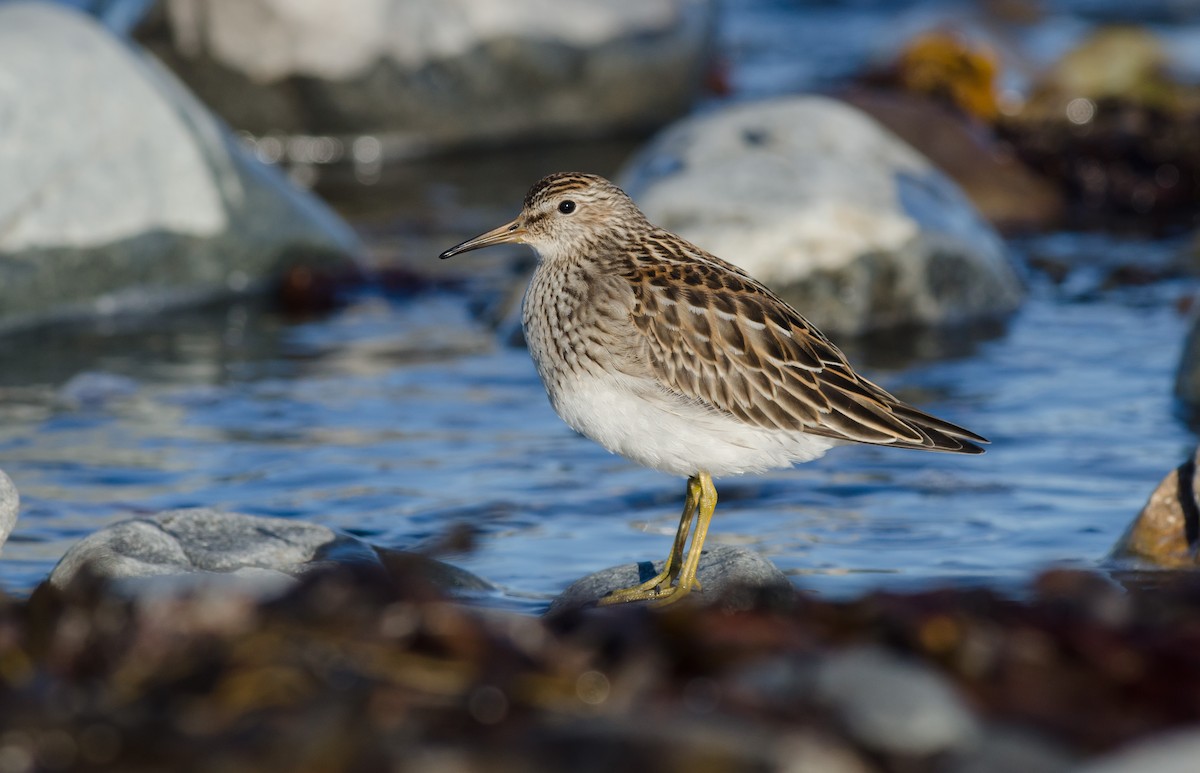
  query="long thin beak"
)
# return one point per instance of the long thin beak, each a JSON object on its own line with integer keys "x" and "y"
{"x": 509, "y": 233}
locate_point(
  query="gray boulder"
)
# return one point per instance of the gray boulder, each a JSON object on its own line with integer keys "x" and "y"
{"x": 197, "y": 547}
{"x": 10, "y": 504}
{"x": 732, "y": 578}
{"x": 817, "y": 200}
{"x": 428, "y": 74}
{"x": 121, "y": 191}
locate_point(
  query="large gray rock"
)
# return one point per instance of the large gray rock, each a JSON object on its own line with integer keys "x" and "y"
{"x": 121, "y": 190}
{"x": 732, "y": 578}
{"x": 10, "y": 504}
{"x": 186, "y": 548}
{"x": 818, "y": 201}
{"x": 425, "y": 74}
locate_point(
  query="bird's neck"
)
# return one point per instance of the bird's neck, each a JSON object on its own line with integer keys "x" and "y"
{"x": 565, "y": 275}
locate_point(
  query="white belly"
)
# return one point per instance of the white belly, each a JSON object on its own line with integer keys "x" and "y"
{"x": 638, "y": 420}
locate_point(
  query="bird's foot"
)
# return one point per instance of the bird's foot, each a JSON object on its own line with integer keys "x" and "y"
{"x": 651, "y": 590}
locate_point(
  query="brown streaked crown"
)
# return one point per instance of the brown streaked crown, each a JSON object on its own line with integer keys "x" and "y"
{"x": 551, "y": 186}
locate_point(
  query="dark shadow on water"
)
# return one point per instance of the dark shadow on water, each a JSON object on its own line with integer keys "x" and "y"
{"x": 900, "y": 348}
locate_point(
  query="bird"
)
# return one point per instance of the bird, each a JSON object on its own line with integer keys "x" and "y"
{"x": 682, "y": 362}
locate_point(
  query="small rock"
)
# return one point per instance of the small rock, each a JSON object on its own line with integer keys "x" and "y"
{"x": 1176, "y": 752}
{"x": 136, "y": 201}
{"x": 454, "y": 72}
{"x": 815, "y": 199}
{"x": 895, "y": 705}
{"x": 10, "y": 505}
{"x": 732, "y": 577}
{"x": 186, "y": 548}
{"x": 1165, "y": 531}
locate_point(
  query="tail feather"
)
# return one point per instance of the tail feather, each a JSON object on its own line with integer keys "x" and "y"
{"x": 941, "y": 434}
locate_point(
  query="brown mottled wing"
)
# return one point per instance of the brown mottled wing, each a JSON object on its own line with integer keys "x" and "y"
{"x": 714, "y": 335}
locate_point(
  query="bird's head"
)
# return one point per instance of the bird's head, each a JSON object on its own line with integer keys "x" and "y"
{"x": 563, "y": 214}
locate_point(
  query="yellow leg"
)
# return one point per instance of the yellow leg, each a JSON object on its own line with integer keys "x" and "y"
{"x": 679, "y": 574}
{"x": 674, "y": 562}
{"x": 687, "y": 576}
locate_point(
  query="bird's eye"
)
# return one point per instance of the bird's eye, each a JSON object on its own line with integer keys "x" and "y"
{"x": 567, "y": 207}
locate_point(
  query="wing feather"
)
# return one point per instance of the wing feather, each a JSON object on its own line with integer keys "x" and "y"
{"x": 718, "y": 337}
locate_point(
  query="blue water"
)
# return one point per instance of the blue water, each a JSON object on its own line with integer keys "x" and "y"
{"x": 399, "y": 416}
{"x": 395, "y": 419}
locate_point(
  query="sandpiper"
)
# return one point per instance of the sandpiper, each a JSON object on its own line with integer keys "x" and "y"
{"x": 682, "y": 362}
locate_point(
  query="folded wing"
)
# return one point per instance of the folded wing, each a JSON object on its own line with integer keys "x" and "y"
{"x": 714, "y": 335}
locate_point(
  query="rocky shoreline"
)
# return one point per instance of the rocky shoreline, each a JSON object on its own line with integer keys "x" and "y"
{"x": 285, "y": 645}
{"x": 354, "y": 669}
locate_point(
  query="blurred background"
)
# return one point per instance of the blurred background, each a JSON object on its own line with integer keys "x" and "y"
{"x": 219, "y": 284}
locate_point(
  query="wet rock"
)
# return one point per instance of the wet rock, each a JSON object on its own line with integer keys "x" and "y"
{"x": 895, "y": 705}
{"x": 184, "y": 549}
{"x": 454, "y": 73}
{"x": 136, "y": 201}
{"x": 1165, "y": 531}
{"x": 10, "y": 504}
{"x": 732, "y": 578}
{"x": 815, "y": 199}
{"x": 181, "y": 542}
{"x": 1176, "y": 752}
